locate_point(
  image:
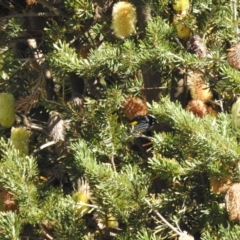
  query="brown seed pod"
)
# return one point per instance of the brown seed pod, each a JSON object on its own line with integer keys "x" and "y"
{"x": 232, "y": 200}
{"x": 200, "y": 109}
{"x": 197, "y": 107}
{"x": 233, "y": 56}
{"x": 133, "y": 107}
{"x": 199, "y": 90}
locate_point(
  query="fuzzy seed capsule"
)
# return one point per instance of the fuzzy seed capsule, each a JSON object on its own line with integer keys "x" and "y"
{"x": 7, "y": 110}
{"x": 123, "y": 19}
{"x": 181, "y": 6}
{"x": 236, "y": 114}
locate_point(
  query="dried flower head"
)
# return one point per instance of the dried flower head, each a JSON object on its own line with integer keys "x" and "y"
{"x": 7, "y": 109}
{"x": 233, "y": 56}
{"x": 232, "y": 200}
{"x": 133, "y": 107}
{"x": 196, "y": 46}
{"x": 181, "y": 6}
{"x": 236, "y": 114}
{"x": 123, "y": 19}
{"x": 199, "y": 90}
{"x": 20, "y": 139}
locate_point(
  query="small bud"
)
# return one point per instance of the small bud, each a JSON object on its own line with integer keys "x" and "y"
{"x": 123, "y": 19}
{"x": 236, "y": 114}
{"x": 20, "y": 138}
{"x": 7, "y": 110}
{"x": 81, "y": 196}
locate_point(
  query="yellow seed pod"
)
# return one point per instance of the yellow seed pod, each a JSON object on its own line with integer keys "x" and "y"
{"x": 183, "y": 31}
{"x": 20, "y": 138}
{"x": 108, "y": 221}
{"x": 123, "y": 19}
{"x": 112, "y": 221}
{"x": 81, "y": 198}
{"x": 236, "y": 114}
{"x": 181, "y": 6}
{"x": 7, "y": 110}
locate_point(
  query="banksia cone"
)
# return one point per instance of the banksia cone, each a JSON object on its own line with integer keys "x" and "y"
{"x": 183, "y": 31}
{"x": 7, "y": 109}
{"x": 199, "y": 90}
{"x": 123, "y": 19}
{"x": 232, "y": 200}
{"x": 56, "y": 127}
{"x": 233, "y": 56}
{"x": 181, "y": 6}
{"x": 133, "y": 107}
{"x": 236, "y": 114}
{"x": 20, "y": 138}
